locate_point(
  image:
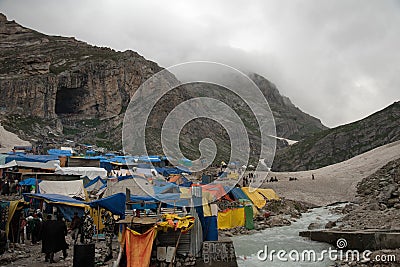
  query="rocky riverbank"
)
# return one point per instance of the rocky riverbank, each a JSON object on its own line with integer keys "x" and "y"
{"x": 377, "y": 207}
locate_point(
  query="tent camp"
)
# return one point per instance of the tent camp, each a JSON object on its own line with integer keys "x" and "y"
{"x": 90, "y": 172}
{"x": 66, "y": 188}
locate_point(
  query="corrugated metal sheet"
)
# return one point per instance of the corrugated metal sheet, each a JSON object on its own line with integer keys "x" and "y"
{"x": 196, "y": 235}
{"x": 169, "y": 239}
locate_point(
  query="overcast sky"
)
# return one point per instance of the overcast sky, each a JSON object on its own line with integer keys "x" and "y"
{"x": 337, "y": 60}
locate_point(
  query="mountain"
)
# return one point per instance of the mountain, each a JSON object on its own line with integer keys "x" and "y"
{"x": 56, "y": 88}
{"x": 290, "y": 121}
{"x": 341, "y": 143}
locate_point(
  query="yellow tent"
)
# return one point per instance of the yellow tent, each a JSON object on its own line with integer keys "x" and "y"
{"x": 268, "y": 193}
{"x": 231, "y": 218}
{"x": 255, "y": 197}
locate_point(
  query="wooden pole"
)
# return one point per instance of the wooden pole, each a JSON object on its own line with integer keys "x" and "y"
{"x": 171, "y": 264}
{"x": 98, "y": 222}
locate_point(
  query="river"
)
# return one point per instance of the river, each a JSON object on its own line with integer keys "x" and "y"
{"x": 285, "y": 238}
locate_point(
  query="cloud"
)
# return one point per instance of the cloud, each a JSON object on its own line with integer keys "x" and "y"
{"x": 336, "y": 60}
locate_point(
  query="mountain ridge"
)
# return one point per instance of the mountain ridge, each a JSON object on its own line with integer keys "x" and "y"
{"x": 58, "y": 88}
{"x": 341, "y": 143}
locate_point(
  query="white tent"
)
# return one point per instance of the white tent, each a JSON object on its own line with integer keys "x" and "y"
{"x": 137, "y": 186}
{"x": 66, "y": 188}
{"x": 52, "y": 164}
{"x": 90, "y": 172}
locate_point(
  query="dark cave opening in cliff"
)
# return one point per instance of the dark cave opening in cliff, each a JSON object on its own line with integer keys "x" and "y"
{"x": 69, "y": 100}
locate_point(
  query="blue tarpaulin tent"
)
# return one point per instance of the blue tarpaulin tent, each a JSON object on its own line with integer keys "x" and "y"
{"x": 114, "y": 203}
{"x": 95, "y": 180}
{"x": 67, "y": 205}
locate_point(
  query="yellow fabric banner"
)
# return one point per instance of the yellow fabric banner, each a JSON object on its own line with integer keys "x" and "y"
{"x": 231, "y": 218}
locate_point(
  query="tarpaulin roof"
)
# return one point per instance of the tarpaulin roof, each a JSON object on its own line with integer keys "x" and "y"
{"x": 237, "y": 193}
{"x": 90, "y": 172}
{"x": 216, "y": 190}
{"x": 94, "y": 181}
{"x": 114, "y": 203}
{"x": 67, "y": 188}
{"x": 137, "y": 186}
{"x": 166, "y": 188}
{"x": 31, "y": 158}
{"x": 145, "y": 202}
{"x": 166, "y": 171}
{"x": 255, "y": 197}
{"x": 3, "y": 159}
{"x": 59, "y": 152}
{"x": 268, "y": 193}
{"x": 66, "y": 205}
{"x": 52, "y": 164}
{"x": 56, "y": 199}
{"x": 29, "y": 181}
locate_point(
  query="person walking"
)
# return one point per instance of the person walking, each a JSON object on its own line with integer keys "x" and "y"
{"x": 87, "y": 230}
{"x": 53, "y": 238}
{"x": 109, "y": 224}
{"x": 75, "y": 227}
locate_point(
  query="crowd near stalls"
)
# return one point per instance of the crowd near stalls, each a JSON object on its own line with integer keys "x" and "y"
{"x": 157, "y": 214}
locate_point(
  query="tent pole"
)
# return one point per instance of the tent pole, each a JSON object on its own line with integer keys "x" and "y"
{"x": 98, "y": 222}
{"x": 36, "y": 184}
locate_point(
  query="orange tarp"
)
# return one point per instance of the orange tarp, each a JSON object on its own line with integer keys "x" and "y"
{"x": 138, "y": 247}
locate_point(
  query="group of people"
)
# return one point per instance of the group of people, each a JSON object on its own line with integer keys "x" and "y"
{"x": 53, "y": 233}
{"x": 249, "y": 178}
{"x": 32, "y": 226}
{"x": 8, "y": 187}
{"x": 273, "y": 179}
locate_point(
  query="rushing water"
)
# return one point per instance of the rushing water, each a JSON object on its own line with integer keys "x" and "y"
{"x": 284, "y": 238}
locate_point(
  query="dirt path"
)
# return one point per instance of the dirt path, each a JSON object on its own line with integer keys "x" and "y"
{"x": 336, "y": 182}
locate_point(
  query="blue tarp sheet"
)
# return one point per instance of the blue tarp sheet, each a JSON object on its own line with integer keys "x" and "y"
{"x": 169, "y": 198}
{"x": 30, "y": 158}
{"x": 114, "y": 203}
{"x": 143, "y": 205}
{"x": 106, "y": 164}
{"x": 237, "y": 193}
{"x": 29, "y": 181}
{"x": 95, "y": 180}
{"x": 166, "y": 171}
{"x": 54, "y": 198}
{"x": 67, "y": 205}
{"x": 59, "y": 152}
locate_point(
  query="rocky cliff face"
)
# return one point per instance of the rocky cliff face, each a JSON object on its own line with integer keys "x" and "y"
{"x": 341, "y": 143}
{"x": 48, "y": 76}
{"x": 56, "y": 88}
{"x": 290, "y": 121}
